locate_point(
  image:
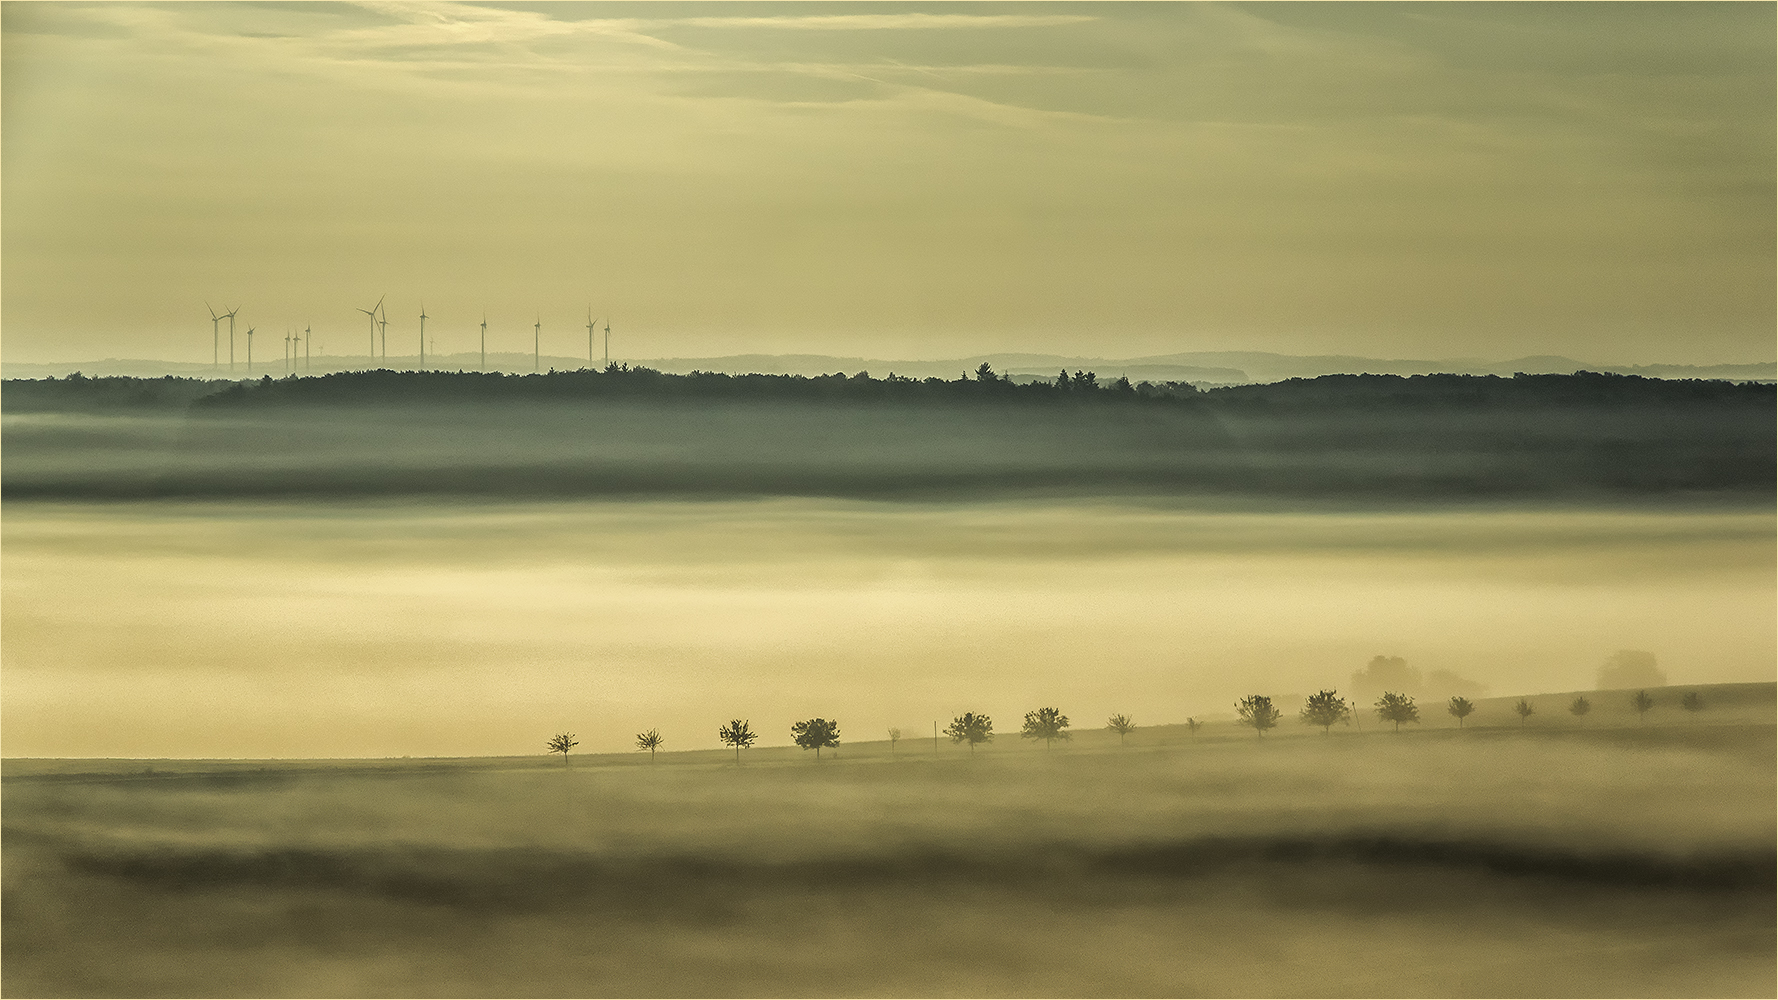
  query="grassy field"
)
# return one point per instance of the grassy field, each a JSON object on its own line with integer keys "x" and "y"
{"x": 1603, "y": 860}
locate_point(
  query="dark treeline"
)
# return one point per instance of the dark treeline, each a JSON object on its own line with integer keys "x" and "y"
{"x": 1344, "y": 392}
{"x": 626, "y": 431}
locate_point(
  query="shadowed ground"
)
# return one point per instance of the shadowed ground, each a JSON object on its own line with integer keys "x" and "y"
{"x": 1487, "y": 862}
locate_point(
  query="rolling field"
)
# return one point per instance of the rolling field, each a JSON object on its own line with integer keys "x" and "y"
{"x": 1615, "y": 860}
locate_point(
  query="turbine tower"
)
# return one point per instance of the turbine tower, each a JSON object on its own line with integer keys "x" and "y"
{"x": 384, "y": 323}
{"x": 215, "y": 337}
{"x": 372, "y": 313}
{"x": 308, "y": 341}
{"x": 287, "y": 350}
{"x": 608, "y": 341}
{"x": 484, "y": 341}
{"x": 537, "y": 345}
{"x": 249, "y": 350}
{"x": 231, "y": 336}
{"x": 422, "y": 335}
{"x": 589, "y": 333}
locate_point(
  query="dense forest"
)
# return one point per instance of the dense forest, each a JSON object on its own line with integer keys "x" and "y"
{"x": 1584, "y": 437}
{"x": 383, "y": 387}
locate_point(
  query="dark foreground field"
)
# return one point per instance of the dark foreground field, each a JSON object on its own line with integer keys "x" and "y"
{"x": 1488, "y": 862}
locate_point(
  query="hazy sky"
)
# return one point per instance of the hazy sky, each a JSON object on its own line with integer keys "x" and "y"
{"x": 896, "y": 180}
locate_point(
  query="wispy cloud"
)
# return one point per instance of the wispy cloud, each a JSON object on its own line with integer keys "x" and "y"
{"x": 883, "y": 22}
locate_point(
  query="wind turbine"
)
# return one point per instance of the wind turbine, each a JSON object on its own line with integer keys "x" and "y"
{"x": 422, "y": 335}
{"x": 589, "y": 333}
{"x": 215, "y": 337}
{"x": 308, "y": 340}
{"x": 286, "y": 350}
{"x": 608, "y": 341}
{"x": 249, "y": 350}
{"x": 384, "y": 323}
{"x": 372, "y": 313}
{"x": 484, "y": 341}
{"x": 536, "y": 345}
{"x": 231, "y": 336}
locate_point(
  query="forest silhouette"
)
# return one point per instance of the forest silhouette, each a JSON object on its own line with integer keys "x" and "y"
{"x": 622, "y": 431}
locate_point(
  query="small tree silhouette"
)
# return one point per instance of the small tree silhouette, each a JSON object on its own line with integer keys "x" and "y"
{"x": 894, "y": 737}
{"x": 1692, "y": 701}
{"x": 1046, "y": 724}
{"x": 1256, "y": 710}
{"x": 1324, "y": 708}
{"x": 737, "y": 734}
{"x": 1642, "y": 703}
{"x": 562, "y": 743}
{"x": 813, "y": 734}
{"x": 1525, "y": 710}
{"x": 1460, "y": 707}
{"x": 970, "y": 728}
{"x": 1580, "y": 708}
{"x": 1397, "y": 708}
{"x": 1192, "y": 725}
{"x": 1121, "y": 725}
{"x": 650, "y": 741}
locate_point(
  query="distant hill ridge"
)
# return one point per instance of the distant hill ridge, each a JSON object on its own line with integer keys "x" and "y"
{"x": 1215, "y": 367}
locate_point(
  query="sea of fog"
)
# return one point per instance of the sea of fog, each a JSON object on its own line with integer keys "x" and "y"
{"x": 254, "y": 630}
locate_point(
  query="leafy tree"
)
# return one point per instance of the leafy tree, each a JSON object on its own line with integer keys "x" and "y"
{"x": 650, "y": 741}
{"x": 1642, "y": 703}
{"x": 562, "y": 743}
{"x": 1256, "y": 710}
{"x": 970, "y": 728}
{"x": 1046, "y": 724}
{"x": 1580, "y": 707}
{"x": 1692, "y": 702}
{"x": 1397, "y": 708}
{"x": 1461, "y": 708}
{"x": 737, "y": 734}
{"x": 813, "y": 734}
{"x": 1525, "y": 710}
{"x": 894, "y": 738}
{"x": 1121, "y": 725}
{"x": 1324, "y": 708}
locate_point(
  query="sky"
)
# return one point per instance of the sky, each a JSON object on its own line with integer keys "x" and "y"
{"x": 894, "y": 180}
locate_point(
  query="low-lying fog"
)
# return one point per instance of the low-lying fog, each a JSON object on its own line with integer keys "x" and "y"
{"x": 234, "y": 629}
